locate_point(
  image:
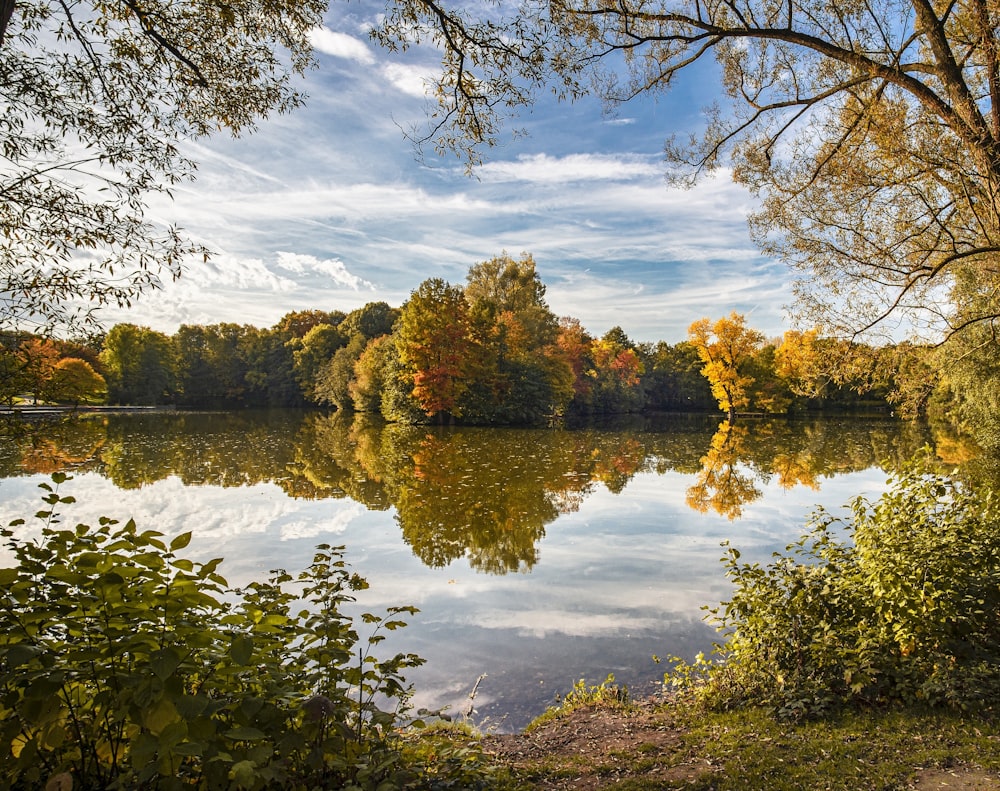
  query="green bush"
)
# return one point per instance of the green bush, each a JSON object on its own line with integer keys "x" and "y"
{"x": 124, "y": 665}
{"x": 899, "y": 604}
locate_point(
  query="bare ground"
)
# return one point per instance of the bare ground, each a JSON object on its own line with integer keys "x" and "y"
{"x": 595, "y": 747}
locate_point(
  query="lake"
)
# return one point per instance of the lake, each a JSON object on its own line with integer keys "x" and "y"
{"x": 536, "y": 557}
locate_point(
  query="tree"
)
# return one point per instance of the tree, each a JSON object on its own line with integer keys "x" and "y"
{"x": 75, "y": 381}
{"x": 37, "y": 361}
{"x": 333, "y": 381}
{"x": 140, "y": 365}
{"x": 432, "y": 338}
{"x": 96, "y": 100}
{"x": 520, "y": 375}
{"x": 870, "y": 131}
{"x": 312, "y": 352}
{"x": 726, "y": 347}
{"x": 370, "y": 321}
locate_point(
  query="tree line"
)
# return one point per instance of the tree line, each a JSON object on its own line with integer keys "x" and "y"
{"x": 490, "y": 352}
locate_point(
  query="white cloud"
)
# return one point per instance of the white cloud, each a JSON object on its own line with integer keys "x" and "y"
{"x": 332, "y": 268}
{"x": 408, "y": 79}
{"x": 341, "y": 45}
{"x": 542, "y": 168}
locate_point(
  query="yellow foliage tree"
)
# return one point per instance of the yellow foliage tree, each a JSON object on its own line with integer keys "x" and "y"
{"x": 725, "y": 347}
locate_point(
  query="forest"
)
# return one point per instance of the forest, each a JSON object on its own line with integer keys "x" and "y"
{"x": 490, "y": 352}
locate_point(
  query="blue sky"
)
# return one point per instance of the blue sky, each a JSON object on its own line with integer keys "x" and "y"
{"x": 329, "y": 207}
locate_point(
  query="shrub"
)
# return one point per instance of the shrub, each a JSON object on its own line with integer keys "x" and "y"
{"x": 124, "y": 665}
{"x": 900, "y": 603}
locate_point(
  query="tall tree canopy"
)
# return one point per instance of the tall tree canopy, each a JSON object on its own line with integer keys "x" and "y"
{"x": 95, "y": 101}
{"x": 870, "y": 131}
{"x": 727, "y": 346}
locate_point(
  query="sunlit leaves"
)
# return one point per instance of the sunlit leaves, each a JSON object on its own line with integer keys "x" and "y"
{"x": 96, "y": 101}
{"x": 896, "y": 603}
{"x": 725, "y": 347}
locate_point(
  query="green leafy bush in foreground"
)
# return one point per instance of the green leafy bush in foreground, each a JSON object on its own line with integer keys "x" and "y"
{"x": 124, "y": 665}
{"x": 900, "y": 603}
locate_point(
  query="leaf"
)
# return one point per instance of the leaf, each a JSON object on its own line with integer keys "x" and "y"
{"x": 241, "y": 649}
{"x": 181, "y": 541}
{"x": 164, "y": 662}
{"x": 20, "y": 653}
{"x": 160, "y": 715}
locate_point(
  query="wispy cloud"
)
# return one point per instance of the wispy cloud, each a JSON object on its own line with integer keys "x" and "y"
{"x": 543, "y": 168}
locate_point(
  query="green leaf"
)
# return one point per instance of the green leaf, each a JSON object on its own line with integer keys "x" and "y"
{"x": 181, "y": 541}
{"x": 20, "y": 653}
{"x": 164, "y": 662}
{"x": 160, "y": 715}
{"x": 241, "y": 649}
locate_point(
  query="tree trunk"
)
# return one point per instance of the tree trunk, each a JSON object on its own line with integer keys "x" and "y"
{"x": 6, "y": 12}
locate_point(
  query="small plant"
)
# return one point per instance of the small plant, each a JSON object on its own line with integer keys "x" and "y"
{"x": 124, "y": 665}
{"x": 901, "y": 603}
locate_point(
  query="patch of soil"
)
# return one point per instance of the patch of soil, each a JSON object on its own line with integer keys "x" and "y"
{"x": 960, "y": 779}
{"x": 594, "y": 747}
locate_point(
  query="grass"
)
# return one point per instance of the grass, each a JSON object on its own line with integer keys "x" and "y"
{"x": 753, "y": 750}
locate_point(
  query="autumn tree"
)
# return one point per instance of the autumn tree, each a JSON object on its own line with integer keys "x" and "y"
{"x": 519, "y": 375}
{"x": 616, "y": 373}
{"x": 869, "y": 131}
{"x": 723, "y": 483}
{"x": 432, "y": 339}
{"x": 36, "y": 361}
{"x": 96, "y": 101}
{"x": 76, "y": 382}
{"x": 726, "y": 347}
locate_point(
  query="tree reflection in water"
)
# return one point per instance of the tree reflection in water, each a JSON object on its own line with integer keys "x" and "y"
{"x": 483, "y": 494}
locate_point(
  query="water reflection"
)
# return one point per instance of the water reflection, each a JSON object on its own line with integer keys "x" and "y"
{"x": 483, "y": 494}
{"x": 444, "y": 519}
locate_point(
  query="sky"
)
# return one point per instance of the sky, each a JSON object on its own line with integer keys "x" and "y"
{"x": 331, "y": 207}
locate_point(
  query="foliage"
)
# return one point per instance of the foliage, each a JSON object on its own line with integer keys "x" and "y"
{"x": 435, "y": 347}
{"x": 125, "y": 665}
{"x": 607, "y": 693}
{"x": 75, "y": 381}
{"x": 726, "y": 347}
{"x": 898, "y": 604}
{"x": 96, "y": 101}
{"x": 869, "y": 131}
{"x": 140, "y": 365}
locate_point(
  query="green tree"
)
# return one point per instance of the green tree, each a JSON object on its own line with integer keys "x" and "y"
{"x": 95, "y": 101}
{"x": 312, "y": 352}
{"x": 333, "y": 382}
{"x": 370, "y": 321}
{"x": 726, "y": 347}
{"x": 673, "y": 379}
{"x": 139, "y": 365}
{"x": 270, "y": 368}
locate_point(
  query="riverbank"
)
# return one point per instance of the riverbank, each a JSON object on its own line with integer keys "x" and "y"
{"x": 656, "y": 745}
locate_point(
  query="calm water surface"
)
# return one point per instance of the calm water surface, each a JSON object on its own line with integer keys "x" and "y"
{"x": 536, "y": 557}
